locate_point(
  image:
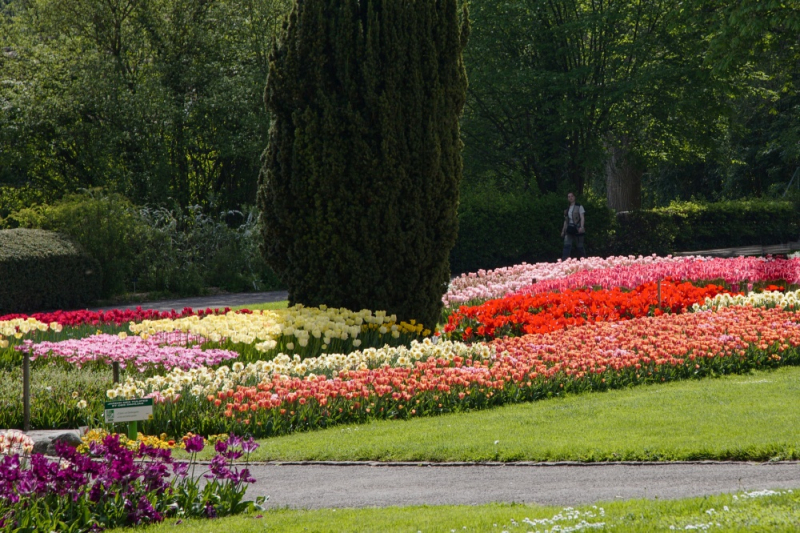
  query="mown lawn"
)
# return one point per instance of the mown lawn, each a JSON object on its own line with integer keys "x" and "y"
{"x": 765, "y": 511}
{"x": 283, "y": 304}
{"x": 748, "y": 417}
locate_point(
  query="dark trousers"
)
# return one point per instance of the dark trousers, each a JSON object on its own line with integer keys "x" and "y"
{"x": 568, "y": 240}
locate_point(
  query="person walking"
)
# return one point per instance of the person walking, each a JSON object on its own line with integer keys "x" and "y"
{"x": 573, "y": 229}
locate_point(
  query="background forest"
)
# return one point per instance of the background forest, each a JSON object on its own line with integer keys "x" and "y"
{"x": 155, "y": 107}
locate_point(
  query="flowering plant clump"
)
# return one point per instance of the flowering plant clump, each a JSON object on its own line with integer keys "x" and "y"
{"x": 306, "y": 331}
{"x": 117, "y": 317}
{"x": 19, "y": 327}
{"x": 594, "y": 356}
{"x": 164, "y": 350}
{"x": 540, "y": 313}
{"x": 112, "y": 486}
{"x": 485, "y": 285}
{"x": 204, "y": 381}
{"x": 769, "y": 298}
{"x": 15, "y": 442}
{"x": 733, "y": 271}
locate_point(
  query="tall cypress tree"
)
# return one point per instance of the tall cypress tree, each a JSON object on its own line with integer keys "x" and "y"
{"x": 359, "y": 188}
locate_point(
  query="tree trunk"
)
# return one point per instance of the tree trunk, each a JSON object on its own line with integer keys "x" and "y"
{"x": 623, "y": 180}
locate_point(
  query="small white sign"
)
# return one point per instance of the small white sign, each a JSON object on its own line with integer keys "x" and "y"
{"x": 129, "y": 410}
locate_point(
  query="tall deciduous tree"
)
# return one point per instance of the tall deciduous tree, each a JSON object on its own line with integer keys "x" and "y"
{"x": 564, "y": 89}
{"x": 155, "y": 99}
{"x": 360, "y": 180}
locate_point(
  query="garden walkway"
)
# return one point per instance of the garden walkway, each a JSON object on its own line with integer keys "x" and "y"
{"x": 205, "y": 302}
{"x": 758, "y": 249}
{"x": 317, "y": 486}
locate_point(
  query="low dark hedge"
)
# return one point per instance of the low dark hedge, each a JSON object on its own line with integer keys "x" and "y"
{"x": 690, "y": 226}
{"x": 43, "y": 270}
{"x": 497, "y": 229}
{"x": 502, "y": 229}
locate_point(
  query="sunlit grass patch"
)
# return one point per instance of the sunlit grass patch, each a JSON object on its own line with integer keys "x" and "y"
{"x": 735, "y": 417}
{"x": 746, "y": 511}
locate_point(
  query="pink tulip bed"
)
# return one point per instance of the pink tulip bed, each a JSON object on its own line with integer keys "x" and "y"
{"x": 608, "y": 331}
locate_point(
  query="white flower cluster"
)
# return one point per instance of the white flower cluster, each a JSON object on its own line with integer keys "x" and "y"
{"x": 789, "y": 300}
{"x": 264, "y": 327}
{"x": 15, "y": 442}
{"x": 204, "y": 381}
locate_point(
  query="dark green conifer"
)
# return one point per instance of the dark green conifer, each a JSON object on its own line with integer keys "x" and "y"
{"x": 359, "y": 189}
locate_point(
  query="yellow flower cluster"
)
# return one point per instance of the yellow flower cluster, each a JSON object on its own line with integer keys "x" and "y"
{"x": 296, "y": 324}
{"x": 789, "y": 300}
{"x": 162, "y": 442}
{"x": 19, "y": 327}
{"x": 201, "y": 382}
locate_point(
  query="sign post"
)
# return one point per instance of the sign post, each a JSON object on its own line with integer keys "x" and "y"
{"x": 129, "y": 411}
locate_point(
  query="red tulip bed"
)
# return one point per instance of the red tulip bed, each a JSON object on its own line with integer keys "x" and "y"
{"x": 520, "y": 314}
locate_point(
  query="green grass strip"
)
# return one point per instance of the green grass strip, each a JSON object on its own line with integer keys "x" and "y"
{"x": 756, "y": 511}
{"x": 283, "y": 304}
{"x": 742, "y": 417}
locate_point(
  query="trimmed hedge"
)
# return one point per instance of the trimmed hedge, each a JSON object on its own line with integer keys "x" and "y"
{"x": 689, "y": 226}
{"x": 501, "y": 229}
{"x": 43, "y": 270}
{"x": 497, "y": 229}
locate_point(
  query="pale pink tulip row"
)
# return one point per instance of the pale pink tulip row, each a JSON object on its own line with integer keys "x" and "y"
{"x": 485, "y": 285}
{"x": 162, "y": 350}
{"x": 735, "y": 271}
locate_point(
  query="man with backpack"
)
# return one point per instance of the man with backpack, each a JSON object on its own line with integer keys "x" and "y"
{"x": 573, "y": 229}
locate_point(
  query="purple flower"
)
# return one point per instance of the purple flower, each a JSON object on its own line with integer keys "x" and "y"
{"x": 219, "y": 469}
{"x": 211, "y": 512}
{"x": 195, "y": 444}
{"x": 234, "y": 441}
{"x": 180, "y": 469}
{"x": 221, "y": 446}
{"x": 249, "y": 445}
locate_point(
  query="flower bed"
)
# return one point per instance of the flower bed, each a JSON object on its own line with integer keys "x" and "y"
{"x": 164, "y": 350}
{"x": 540, "y": 313}
{"x": 112, "y": 486}
{"x": 590, "y": 357}
{"x": 734, "y": 271}
{"x": 486, "y": 285}
{"x": 304, "y": 331}
{"x": 115, "y": 316}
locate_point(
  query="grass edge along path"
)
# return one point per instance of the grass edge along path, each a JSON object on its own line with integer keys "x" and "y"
{"x": 764, "y": 510}
{"x": 734, "y": 417}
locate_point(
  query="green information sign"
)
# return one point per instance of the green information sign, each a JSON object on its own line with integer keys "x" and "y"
{"x": 129, "y": 410}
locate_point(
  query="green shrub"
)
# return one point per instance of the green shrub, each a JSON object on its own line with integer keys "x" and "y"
{"x": 689, "y": 226}
{"x": 500, "y": 229}
{"x": 189, "y": 249}
{"x": 44, "y": 270}
{"x": 107, "y": 226}
{"x": 157, "y": 249}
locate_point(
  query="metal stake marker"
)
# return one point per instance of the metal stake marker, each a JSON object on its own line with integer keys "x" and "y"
{"x": 659, "y": 294}
{"x": 26, "y": 392}
{"x": 115, "y": 370}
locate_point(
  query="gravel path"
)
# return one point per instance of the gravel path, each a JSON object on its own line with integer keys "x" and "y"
{"x": 334, "y": 486}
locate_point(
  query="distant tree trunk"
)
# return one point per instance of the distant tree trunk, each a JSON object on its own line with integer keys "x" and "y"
{"x": 623, "y": 180}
